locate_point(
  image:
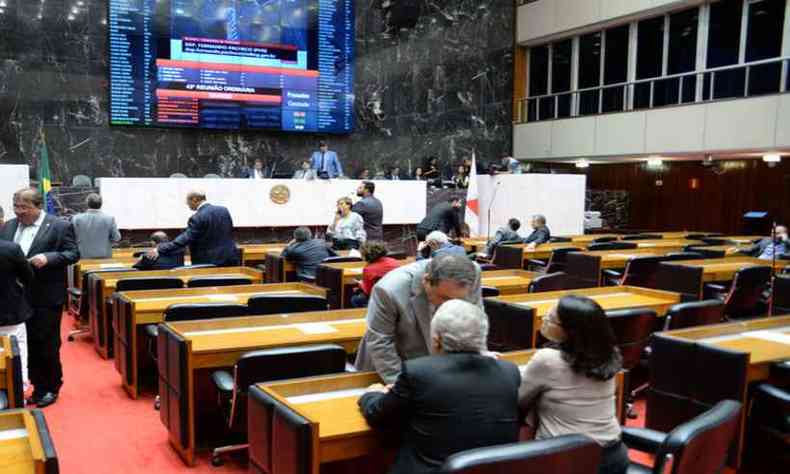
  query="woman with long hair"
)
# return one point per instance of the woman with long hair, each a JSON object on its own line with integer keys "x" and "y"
{"x": 569, "y": 387}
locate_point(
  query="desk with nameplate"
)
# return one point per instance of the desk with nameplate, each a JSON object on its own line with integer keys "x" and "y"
{"x": 134, "y": 309}
{"x": 327, "y": 406}
{"x": 537, "y": 305}
{"x": 25, "y": 443}
{"x": 102, "y": 285}
{"x": 189, "y": 351}
{"x": 11, "y": 372}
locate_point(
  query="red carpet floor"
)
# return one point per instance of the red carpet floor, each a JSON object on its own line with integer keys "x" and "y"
{"x": 97, "y": 428}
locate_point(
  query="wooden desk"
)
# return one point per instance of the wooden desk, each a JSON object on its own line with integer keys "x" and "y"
{"x": 256, "y": 253}
{"x": 190, "y": 351}
{"x": 724, "y": 269}
{"x": 341, "y": 279}
{"x": 128, "y": 252}
{"x": 25, "y": 443}
{"x": 611, "y": 259}
{"x": 587, "y": 238}
{"x": 610, "y": 297}
{"x": 673, "y": 245}
{"x": 474, "y": 244}
{"x": 678, "y": 235}
{"x": 103, "y": 285}
{"x": 11, "y": 373}
{"x": 280, "y": 270}
{"x": 742, "y": 239}
{"x": 509, "y": 282}
{"x": 134, "y": 309}
{"x": 329, "y": 404}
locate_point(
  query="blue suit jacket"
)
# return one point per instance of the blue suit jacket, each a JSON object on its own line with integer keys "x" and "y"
{"x": 209, "y": 236}
{"x": 333, "y": 167}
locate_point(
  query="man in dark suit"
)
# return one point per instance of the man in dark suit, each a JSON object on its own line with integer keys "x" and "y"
{"x": 50, "y": 246}
{"x": 454, "y": 400}
{"x": 306, "y": 253}
{"x": 445, "y": 217}
{"x": 209, "y": 235}
{"x": 164, "y": 262}
{"x": 16, "y": 278}
{"x": 540, "y": 232}
{"x": 371, "y": 210}
{"x": 258, "y": 171}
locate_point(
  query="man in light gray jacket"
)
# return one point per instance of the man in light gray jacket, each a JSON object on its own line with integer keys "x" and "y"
{"x": 95, "y": 230}
{"x": 402, "y": 305}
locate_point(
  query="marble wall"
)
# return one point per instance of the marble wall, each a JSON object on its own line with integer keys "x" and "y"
{"x": 441, "y": 88}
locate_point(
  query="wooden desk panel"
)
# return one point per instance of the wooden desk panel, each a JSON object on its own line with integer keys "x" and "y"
{"x": 341, "y": 279}
{"x": 724, "y": 269}
{"x": 209, "y": 345}
{"x": 104, "y": 284}
{"x": 509, "y": 282}
{"x": 134, "y": 309}
{"x": 610, "y": 298}
{"x": 25, "y": 443}
{"x": 612, "y": 259}
{"x": 11, "y": 372}
{"x": 476, "y": 244}
{"x": 329, "y": 404}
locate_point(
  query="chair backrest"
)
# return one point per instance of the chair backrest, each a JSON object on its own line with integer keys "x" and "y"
{"x": 694, "y": 313}
{"x": 81, "y": 181}
{"x": 558, "y": 259}
{"x": 555, "y": 240}
{"x": 745, "y": 296}
{"x": 508, "y": 256}
{"x": 148, "y": 283}
{"x": 288, "y": 363}
{"x": 705, "y": 252}
{"x": 671, "y": 257}
{"x": 612, "y": 246}
{"x": 553, "y": 282}
{"x": 291, "y": 442}
{"x": 602, "y": 240}
{"x": 701, "y": 444}
{"x": 632, "y": 329}
{"x": 780, "y": 298}
{"x": 490, "y": 291}
{"x": 274, "y": 304}
{"x": 509, "y": 325}
{"x": 191, "y": 312}
{"x": 584, "y": 269}
{"x": 641, "y": 271}
{"x": 680, "y": 278}
{"x": 696, "y": 236}
{"x": 568, "y": 454}
{"x": 715, "y": 241}
{"x": 341, "y": 259}
{"x": 642, "y": 237}
{"x": 206, "y": 281}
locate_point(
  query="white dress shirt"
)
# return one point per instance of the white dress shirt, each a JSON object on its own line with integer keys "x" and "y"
{"x": 25, "y": 235}
{"x": 258, "y": 174}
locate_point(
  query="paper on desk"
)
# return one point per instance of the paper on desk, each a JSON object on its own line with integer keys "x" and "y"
{"x": 315, "y": 328}
{"x": 774, "y": 336}
{"x": 111, "y": 265}
{"x": 317, "y": 397}
{"x": 13, "y": 434}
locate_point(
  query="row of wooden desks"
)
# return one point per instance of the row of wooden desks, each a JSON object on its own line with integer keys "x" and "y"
{"x": 134, "y": 309}
{"x": 328, "y": 404}
{"x": 25, "y": 443}
{"x": 11, "y": 372}
{"x": 102, "y": 285}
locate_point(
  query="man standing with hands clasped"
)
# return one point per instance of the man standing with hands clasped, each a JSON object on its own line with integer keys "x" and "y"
{"x": 49, "y": 245}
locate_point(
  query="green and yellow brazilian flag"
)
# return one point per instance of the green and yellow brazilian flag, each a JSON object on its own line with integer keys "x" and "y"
{"x": 44, "y": 176}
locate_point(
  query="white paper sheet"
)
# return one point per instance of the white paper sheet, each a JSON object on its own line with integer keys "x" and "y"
{"x": 13, "y": 434}
{"x": 316, "y": 328}
{"x": 315, "y": 397}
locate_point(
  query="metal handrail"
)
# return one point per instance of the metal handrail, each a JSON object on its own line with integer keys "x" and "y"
{"x": 630, "y": 86}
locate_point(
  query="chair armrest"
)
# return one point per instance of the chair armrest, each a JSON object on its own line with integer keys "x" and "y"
{"x": 716, "y": 287}
{"x": 536, "y": 263}
{"x": 776, "y": 393}
{"x": 75, "y": 292}
{"x": 151, "y": 330}
{"x": 643, "y": 439}
{"x": 486, "y": 267}
{"x": 781, "y": 369}
{"x": 223, "y": 380}
{"x": 612, "y": 273}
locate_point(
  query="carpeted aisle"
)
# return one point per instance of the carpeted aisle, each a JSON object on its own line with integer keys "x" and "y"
{"x": 97, "y": 428}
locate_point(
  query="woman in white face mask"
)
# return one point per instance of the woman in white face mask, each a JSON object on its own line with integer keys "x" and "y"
{"x": 570, "y": 387}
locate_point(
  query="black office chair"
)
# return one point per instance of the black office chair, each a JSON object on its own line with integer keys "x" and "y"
{"x": 490, "y": 292}
{"x": 716, "y": 241}
{"x": 148, "y": 283}
{"x": 767, "y": 438}
{"x": 639, "y": 271}
{"x": 266, "y": 366}
{"x": 632, "y": 330}
{"x": 603, "y": 240}
{"x": 189, "y": 312}
{"x": 276, "y": 304}
{"x": 612, "y": 246}
{"x": 670, "y": 257}
{"x": 705, "y": 252}
{"x": 341, "y": 259}
{"x": 557, "y": 240}
{"x": 642, "y": 237}
{"x": 695, "y": 447}
{"x": 744, "y": 297}
{"x": 780, "y": 298}
{"x": 568, "y": 454}
{"x": 553, "y": 282}
{"x": 694, "y": 313}
{"x": 556, "y": 262}
{"x": 210, "y": 281}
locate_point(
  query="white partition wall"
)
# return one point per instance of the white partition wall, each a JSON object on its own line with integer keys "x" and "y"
{"x": 160, "y": 203}
{"x": 12, "y": 179}
{"x": 559, "y": 197}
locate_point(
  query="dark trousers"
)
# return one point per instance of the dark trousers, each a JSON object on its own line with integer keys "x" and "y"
{"x": 359, "y": 300}
{"x": 614, "y": 459}
{"x": 43, "y": 349}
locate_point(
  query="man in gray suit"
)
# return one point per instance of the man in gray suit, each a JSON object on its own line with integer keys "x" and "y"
{"x": 95, "y": 230}
{"x": 402, "y": 305}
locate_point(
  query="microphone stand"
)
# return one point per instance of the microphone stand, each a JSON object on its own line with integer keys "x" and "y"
{"x": 491, "y": 208}
{"x": 772, "y": 281}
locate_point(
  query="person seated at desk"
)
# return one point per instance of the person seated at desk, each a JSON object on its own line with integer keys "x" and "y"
{"x": 509, "y": 233}
{"x": 305, "y": 172}
{"x": 164, "y": 262}
{"x": 378, "y": 264}
{"x": 417, "y": 176}
{"x": 258, "y": 171}
{"x": 393, "y": 174}
{"x": 347, "y": 231}
{"x": 570, "y": 386}
{"x": 402, "y": 305}
{"x": 451, "y": 401}
{"x": 768, "y": 248}
{"x": 306, "y": 253}
{"x": 540, "y": 232}
{"x": 437, "y": 244}
{"x": 461, "y": 179}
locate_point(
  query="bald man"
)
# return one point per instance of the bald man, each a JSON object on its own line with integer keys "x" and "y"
{"x": 209, "y": 235}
